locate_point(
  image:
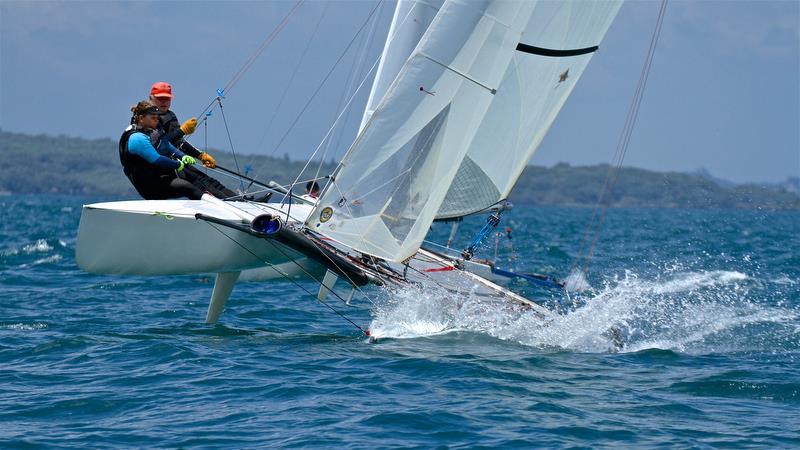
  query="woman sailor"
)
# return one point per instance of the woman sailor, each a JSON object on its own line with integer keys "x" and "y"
{"x": 148, "y": 161}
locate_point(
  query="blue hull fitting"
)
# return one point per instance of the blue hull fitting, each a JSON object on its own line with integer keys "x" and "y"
{"x": 536, "y": 278}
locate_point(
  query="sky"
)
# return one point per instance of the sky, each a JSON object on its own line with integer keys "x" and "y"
{"x": 723, "y": 92}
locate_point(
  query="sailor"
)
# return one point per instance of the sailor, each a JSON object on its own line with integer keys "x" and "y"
{"x": 171, "y": 130}
{"x": 152, "y": 163}
{"x": 312, "y": 191}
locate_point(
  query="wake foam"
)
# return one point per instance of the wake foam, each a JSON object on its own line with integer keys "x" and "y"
{"x": 40, "y": 261}
{"x": 40, "y": 246}
{"x": 693, "y": 312}
{"x": 23, "y": 326}
{"x": 576, "y": 281}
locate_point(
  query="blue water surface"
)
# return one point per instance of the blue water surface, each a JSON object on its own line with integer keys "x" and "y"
{"x": 705, "y": 304}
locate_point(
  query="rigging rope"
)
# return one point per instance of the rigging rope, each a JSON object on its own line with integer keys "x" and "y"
{"x": 330, "y": 130}
{"x": 346, "y": 107}
{"x": 206, "y": 113}
{"x": 594, "y": 227}
{"x": 230, "y": 142}
{"x": 488, "y": 227}
{"x": 246, "y": 66}
{"x": 252, "y": 59}
{"x": 282, "y": 273}
{"x": 389, "y": 39}
{"x": 361, "y": 56}
{"x": 294, "y": 260}
{"x": 350, "y": 280}
{"x": 293, "y": 77}
{"x": 302, "y": 111}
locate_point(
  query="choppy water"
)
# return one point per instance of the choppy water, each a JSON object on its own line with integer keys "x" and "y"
{"x": 707, "y": 304}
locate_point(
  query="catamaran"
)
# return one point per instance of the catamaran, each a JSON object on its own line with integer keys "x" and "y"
{"x": 465, "y": 92}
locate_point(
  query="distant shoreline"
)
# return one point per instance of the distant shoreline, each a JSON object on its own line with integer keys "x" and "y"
{"x": 35, "y": 164}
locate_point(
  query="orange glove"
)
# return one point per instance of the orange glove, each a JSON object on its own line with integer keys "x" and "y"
{"x": 208, "y": 160}
{"x": 189, "y": 126}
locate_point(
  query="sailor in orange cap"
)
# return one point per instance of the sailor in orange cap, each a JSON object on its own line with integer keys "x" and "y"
{"x": 173, "y": 131}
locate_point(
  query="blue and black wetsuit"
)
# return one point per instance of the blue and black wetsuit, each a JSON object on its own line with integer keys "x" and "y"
{"x": 147, "y": 164}
{"x": 170, "y": 129}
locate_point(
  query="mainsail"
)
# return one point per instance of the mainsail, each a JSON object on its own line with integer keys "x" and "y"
{"x": 532, "y": 92}
{"x": 410, "y": 21}
{"x": 389, "y": 186}
{"x": 461, "y": 117}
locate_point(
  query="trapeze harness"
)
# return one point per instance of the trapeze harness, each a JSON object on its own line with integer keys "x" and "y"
{"x": 152, "y": 182}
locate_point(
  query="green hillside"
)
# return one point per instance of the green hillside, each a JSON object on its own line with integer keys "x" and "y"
{"x": 44, "y": 164}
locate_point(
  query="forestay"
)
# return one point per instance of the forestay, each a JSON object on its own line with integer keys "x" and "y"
{"x": 391, "y": 183}
{"x": 533, "y": 90}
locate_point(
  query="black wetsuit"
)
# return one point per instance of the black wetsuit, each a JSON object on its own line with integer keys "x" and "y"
{"x": 153, "y": 181}
{"x": 170, "y": 128}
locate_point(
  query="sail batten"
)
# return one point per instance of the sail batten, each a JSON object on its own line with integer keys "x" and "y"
{"x": 454, "y": 70}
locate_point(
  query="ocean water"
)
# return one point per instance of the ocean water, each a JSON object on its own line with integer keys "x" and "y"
{"x": 705, "y": 352}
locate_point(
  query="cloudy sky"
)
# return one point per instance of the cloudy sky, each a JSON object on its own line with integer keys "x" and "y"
{"x": 723, "y": 93}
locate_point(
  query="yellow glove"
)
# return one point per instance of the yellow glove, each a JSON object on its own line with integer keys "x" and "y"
{"x": 189, "y": 126}
{"x": 208, "y": 160}
{"x": 187, "y": 160}
{"x": 180, "y": 168}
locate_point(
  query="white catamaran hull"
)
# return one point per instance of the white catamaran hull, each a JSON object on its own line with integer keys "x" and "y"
{"x": 163, "y": 237}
